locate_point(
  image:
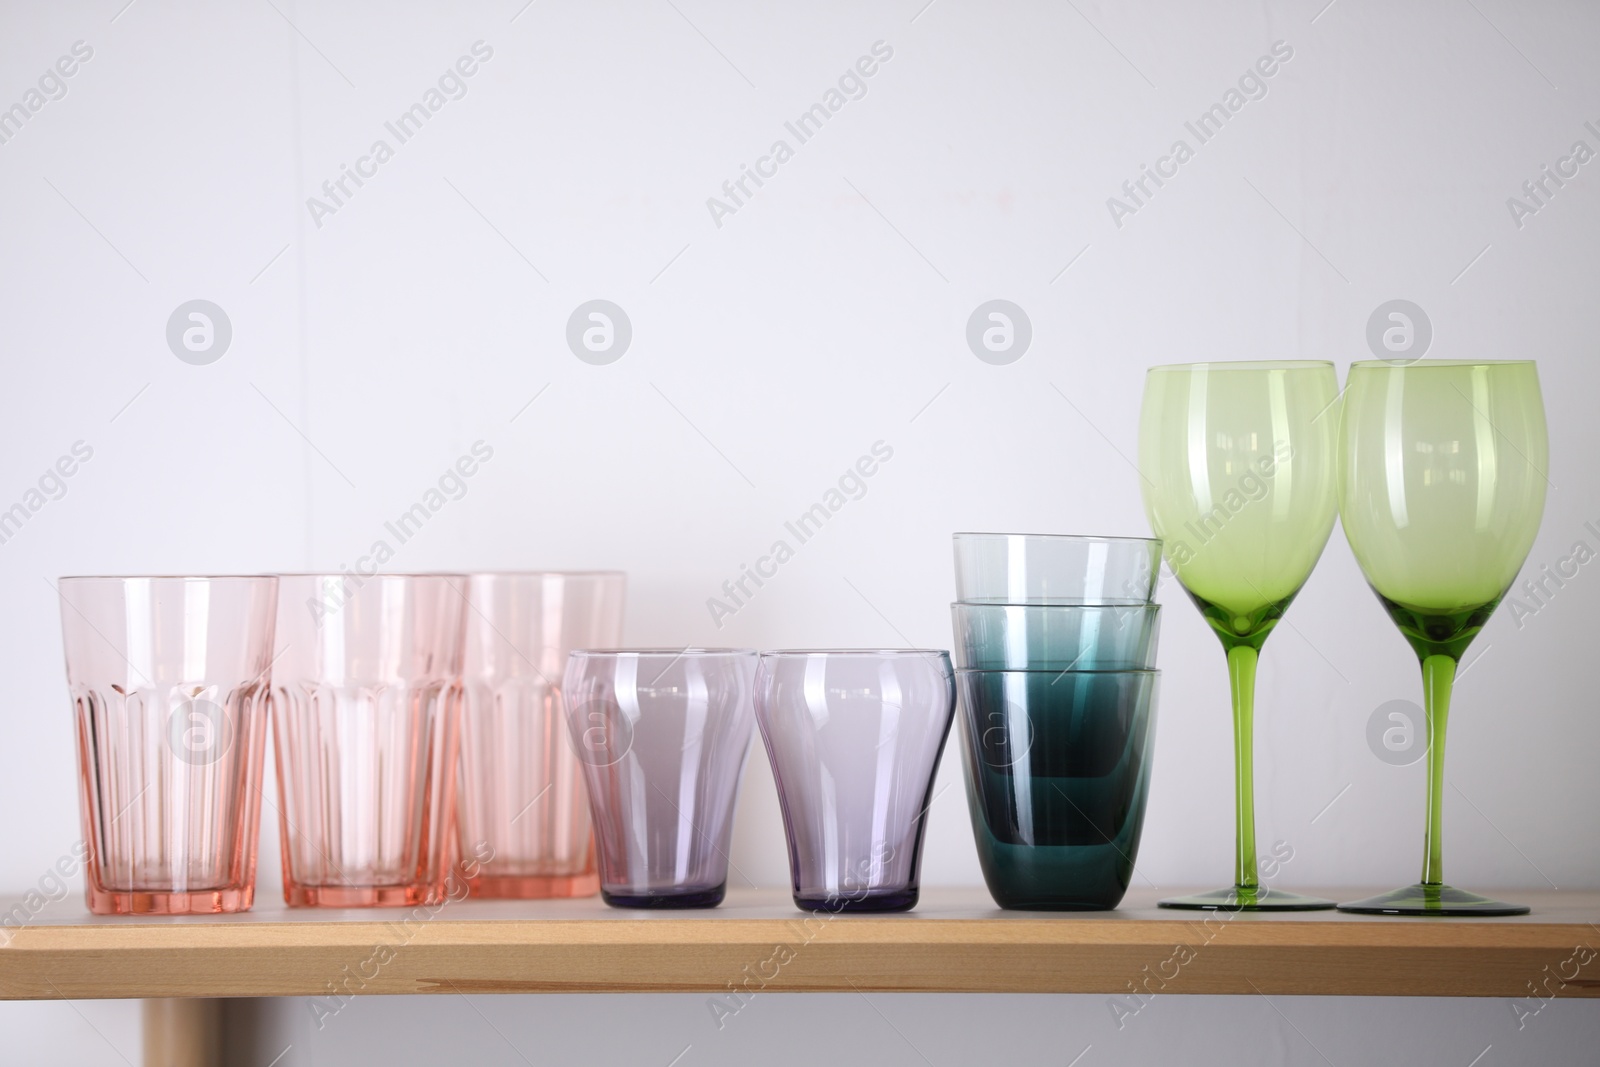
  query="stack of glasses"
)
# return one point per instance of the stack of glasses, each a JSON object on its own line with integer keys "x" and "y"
{"x": 1055, "y": 643}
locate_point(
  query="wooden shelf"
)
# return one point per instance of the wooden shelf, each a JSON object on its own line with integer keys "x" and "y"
{"x": 955, "y": 941}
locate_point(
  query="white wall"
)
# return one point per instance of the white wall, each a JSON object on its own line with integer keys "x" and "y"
{"x": 772, "y": 350}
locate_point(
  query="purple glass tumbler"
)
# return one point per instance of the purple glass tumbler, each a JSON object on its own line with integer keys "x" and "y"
{"x": 663, "y": 735}
{"x": 854, "y": 737}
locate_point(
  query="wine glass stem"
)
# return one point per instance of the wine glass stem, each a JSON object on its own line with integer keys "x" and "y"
{"x": 1242, "y": 678}
{"x": 1438, "y": 678}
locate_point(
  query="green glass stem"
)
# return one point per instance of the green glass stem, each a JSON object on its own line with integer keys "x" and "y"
{"x": 1438, "y": 677}
{"x": 1242, "y": 681}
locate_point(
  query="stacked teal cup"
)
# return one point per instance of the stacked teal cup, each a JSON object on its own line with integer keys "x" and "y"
{"x": 1055, "y": 646}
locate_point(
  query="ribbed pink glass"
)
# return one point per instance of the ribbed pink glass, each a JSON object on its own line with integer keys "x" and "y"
{"x": 521, "y": 797}
{"x": 366, "y": 704}
{"x": 169, "y": 678}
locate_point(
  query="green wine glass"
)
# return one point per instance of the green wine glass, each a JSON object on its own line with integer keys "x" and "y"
{"x": 1238, "y": 466}
{"x": 1441, "y": 488}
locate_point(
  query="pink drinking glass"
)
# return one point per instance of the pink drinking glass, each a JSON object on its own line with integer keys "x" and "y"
{"x": 521, "y": 797}
{"x": 169, "y": 679}
{"x": 365, "y": 706}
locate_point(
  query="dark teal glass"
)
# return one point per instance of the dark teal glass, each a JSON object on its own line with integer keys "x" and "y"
{"x": 1058, "y": 772}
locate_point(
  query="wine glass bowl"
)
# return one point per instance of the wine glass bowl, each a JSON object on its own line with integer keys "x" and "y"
{"x": 1442, "y": 485}
{"x": 1238, "y": 462}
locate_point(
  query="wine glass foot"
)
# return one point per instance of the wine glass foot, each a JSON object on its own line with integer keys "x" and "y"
{"x": 1432, "y": 900}
{"x": 1255, "y": 898}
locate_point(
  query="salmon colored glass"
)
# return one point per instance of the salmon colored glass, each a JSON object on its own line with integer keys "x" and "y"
{"x": 366, "y": 706}
{"x": 521, "y": 795}
{"x": 169, "y": 680}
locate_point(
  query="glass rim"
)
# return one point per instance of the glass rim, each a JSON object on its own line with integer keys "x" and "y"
{"x": 799, "y": 653}
{"x": 1056, "y": 670}
{"x": 1053, "y": 603}
{"x": 76, "y": 578}
{"x": 1106, "y": 605}
{"x": 1092, "y": 538}
{"x": 358, "y": 576}
{"x": 1247, "y": 364}
{"x": 617, "y": 653}
{"x": 1442, "y": 364}
{"x": 545, "y": 574}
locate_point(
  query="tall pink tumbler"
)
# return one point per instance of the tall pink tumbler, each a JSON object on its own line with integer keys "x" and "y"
{"x": 169, "y": 680}
{"x": 366, "y": 697}
{"x": 521, "y": 798}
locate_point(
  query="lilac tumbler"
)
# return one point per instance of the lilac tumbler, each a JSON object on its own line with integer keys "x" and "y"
{"x": 662, "y": 736}
{"x": 854, "y": 738}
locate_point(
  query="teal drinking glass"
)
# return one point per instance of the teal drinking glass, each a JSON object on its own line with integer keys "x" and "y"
{"x": 1058, "y": 772}
{"x": 1059, "y": 637}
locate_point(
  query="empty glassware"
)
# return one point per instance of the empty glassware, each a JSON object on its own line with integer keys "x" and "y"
{"x": 1442, "y": 478}
{"x": 1058, "y": 770}
{"x": 1055, "y": 638}
{"x": 854, "y": 737}
{"x": 663, "y": 735}
{"x": 1065, "y": 637}
{"x": 1002, "y": 568}
{"x": 1238, "y": 472}
{"x": 169, "y": 678}
{"x": 521, "y": 796}
{"x": 366, "y": 705}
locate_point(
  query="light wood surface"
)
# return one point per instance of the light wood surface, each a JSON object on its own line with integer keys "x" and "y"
{"x": 955, "y": 941}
